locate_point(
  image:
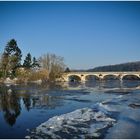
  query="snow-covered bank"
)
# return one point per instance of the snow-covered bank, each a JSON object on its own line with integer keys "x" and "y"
{"x": 81, "y": 123}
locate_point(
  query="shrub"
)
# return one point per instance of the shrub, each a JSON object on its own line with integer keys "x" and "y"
{"x": 39, "y": 75}
{"x": 23, "y": 74}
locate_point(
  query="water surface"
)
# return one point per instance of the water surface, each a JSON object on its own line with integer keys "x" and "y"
{"x": 24, "y": 107}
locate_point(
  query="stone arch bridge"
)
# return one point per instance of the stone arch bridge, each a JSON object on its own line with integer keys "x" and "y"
{"x": 82, "y": 76}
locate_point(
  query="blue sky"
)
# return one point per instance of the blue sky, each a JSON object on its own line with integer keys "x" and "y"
{"x": 86, "y": 34}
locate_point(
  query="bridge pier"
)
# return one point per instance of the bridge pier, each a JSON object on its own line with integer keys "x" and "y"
{"x": 83, "y": 78}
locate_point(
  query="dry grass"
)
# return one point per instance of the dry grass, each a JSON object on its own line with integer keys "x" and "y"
{"x": 23, "y": 74}
{"x": 39, "y": 75}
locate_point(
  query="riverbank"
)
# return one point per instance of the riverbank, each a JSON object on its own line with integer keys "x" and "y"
{"x": 18, "y": 81}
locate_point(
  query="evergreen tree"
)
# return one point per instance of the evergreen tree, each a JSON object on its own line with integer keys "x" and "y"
{"x": 28, "y": 61}
{"x": 67, "y": 70}
{"x": 11, "y": 58}
{"x": 35, "y": 63}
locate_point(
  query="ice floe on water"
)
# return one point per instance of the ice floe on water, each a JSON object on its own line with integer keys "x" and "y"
{"x": 81, "y": 123}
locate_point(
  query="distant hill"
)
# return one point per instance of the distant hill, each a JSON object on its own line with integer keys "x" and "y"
{"x": 131, "y": 66}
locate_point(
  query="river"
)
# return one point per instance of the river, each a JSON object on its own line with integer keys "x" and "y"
{"x": 24, "y": 107}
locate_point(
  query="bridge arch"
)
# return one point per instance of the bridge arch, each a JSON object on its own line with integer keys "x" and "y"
{"x": 131, "y": 77}
{"x": 91, "y": 77}
{"x": 111, "y": 77}
{"x": 74, "y": 78}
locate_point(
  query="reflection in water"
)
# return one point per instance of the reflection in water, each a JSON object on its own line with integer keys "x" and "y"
{"x": 11, "y": 98}
{"x": 27, "y": 102}
{"x": 48, "y": 102}
{"x": 103, "y": 84}
{"x": 10, "y": 105}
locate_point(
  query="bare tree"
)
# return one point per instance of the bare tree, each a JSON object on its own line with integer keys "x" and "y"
{"x": 53, "y": 64}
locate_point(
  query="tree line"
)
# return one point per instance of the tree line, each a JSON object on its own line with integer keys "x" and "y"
{"x": 10, "y": 63}
{"x": 131, "y": 66}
